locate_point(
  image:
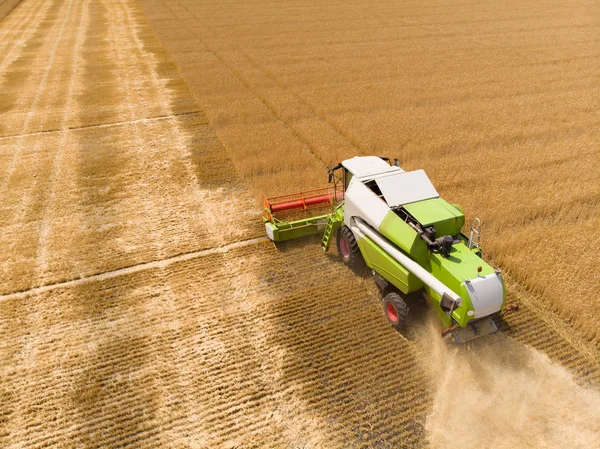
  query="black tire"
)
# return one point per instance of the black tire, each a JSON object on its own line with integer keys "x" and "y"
{"x": 349, "y": 250}
{"x": 395, "y": 310}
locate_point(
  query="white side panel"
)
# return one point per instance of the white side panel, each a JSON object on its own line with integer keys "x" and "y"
{"x": 269, "y": 231}
{"x": 486, "y": 294}
{"x": 406, "y": 187}
{"x": 360, "y": 201}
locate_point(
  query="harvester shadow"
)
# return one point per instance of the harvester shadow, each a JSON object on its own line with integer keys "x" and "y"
{"x": 343, "y": 358}
{"x": 418, "y": 314}
{"x": 116, "y": 388}
{"x": 293, "y": 245}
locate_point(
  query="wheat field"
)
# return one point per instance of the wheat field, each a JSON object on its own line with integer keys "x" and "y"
{"x": 497, "y": 101}
{"x": 141, "y": 304}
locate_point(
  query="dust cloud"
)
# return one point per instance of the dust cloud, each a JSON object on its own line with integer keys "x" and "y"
{"x": 507, "y": 395}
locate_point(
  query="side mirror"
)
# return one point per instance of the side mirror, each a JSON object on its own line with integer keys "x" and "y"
{"x": 396, "y": 162}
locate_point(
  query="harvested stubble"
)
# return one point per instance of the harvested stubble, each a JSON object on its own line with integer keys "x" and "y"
{"x": 103, "y": 146}
{"x": 498, "y": 102}
{"x": 191, "y": 355}
{"x": 213, "y": 350}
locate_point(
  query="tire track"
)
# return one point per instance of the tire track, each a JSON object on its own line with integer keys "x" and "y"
{"x": 59, "y": 161}
{"x": 162, "y": 263}
{"x": 15, "y": 65}
{"x": 26, "y": 412}
{"x": 53, "y": 42}
{"x": 103, "y": 125}
{"x": 185, "y": 214}
{"x": 28, "y": 173}
{"x": 97, "y": 389}
{"x": 123, "y": 49}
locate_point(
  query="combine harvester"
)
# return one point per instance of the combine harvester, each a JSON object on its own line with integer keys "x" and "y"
{"x": 396, "y": 224}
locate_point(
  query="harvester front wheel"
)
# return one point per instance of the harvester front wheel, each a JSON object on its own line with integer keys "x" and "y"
{"x": 396, "y": 310}
{"x": 348, "y": 249}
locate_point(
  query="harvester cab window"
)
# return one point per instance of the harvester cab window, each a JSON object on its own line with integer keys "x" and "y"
{"x": 347, "y": 178}
{"x": 374, "y": 188}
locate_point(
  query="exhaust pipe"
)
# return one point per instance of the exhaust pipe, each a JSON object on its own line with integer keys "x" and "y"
{"x": 362, "y": 228}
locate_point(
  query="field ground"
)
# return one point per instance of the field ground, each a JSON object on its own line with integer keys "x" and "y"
{"x": 140, "y": 304}
{"x": 7, "y": 6}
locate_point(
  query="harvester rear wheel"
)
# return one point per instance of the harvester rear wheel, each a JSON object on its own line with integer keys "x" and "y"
{"x": 348, "y": 249}
{"x": 396, "y": 310}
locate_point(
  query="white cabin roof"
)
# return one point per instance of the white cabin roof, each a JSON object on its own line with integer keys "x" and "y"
{"x": 397, "y": 186}
{"x": 368, "y": 166}
{"x": 406, "y": 187}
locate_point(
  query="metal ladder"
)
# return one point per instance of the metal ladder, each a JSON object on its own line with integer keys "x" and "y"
{"x": 333, "y": 222}
{"x": 475, "y": 235}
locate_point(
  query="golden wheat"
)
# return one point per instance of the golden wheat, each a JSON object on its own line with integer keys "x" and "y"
{"x": 498, "y": 104}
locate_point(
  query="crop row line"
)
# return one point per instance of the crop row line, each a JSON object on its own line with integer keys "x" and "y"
{"x": 105, "y": 125}
{"x": 162, "y": 263}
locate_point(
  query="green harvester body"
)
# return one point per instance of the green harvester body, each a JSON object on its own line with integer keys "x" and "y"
{"x": 389, "y": 233}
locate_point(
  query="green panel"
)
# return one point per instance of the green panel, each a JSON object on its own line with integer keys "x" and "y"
{"x": 461, "y": 264}
{"x": 458, "y": 208}
{"x": 406, "y": 238}
{"x": 289, "y": 230}
{"x": 460, "y": 315}
{"x": 334, "y": 221}
{"x": 436, "y": 212}
{"x": 387, "y": 267}
{"x": 453, "y": 270}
